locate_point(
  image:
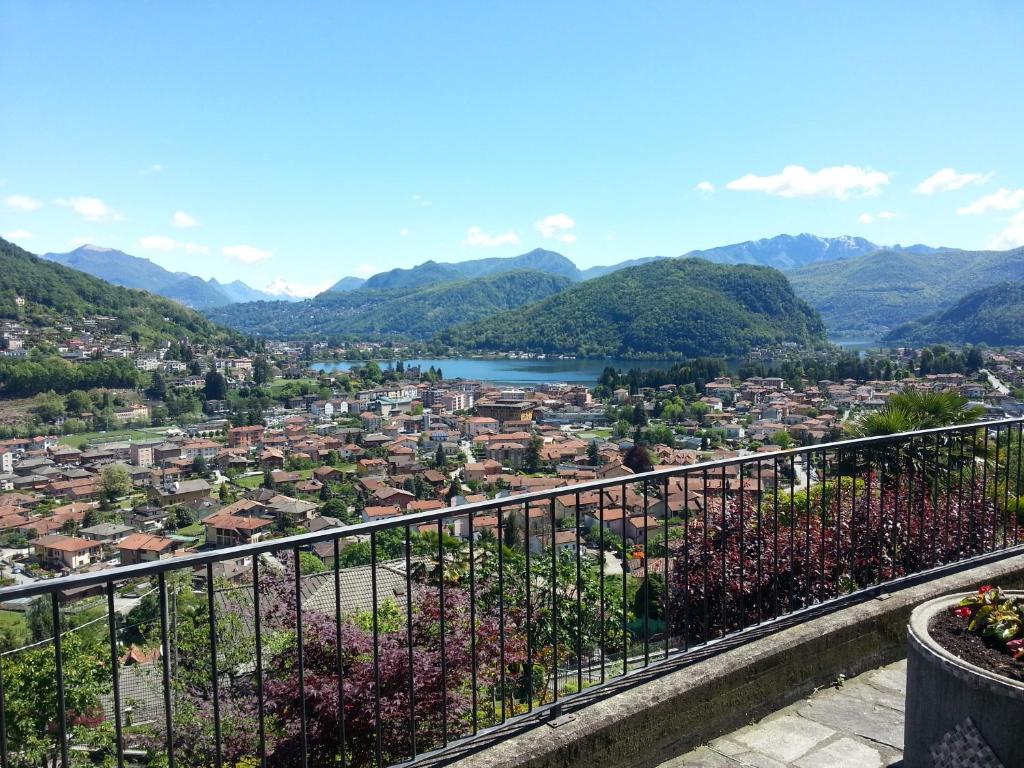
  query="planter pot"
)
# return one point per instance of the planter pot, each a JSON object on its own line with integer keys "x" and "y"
{"x": 943, "y": 691}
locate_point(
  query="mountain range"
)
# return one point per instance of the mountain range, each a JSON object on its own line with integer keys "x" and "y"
{"x": 129, "y": 271}
{"x": 867, "y": 296}
{"x": 43, "y": 293}
{"x": 993, "y": 316}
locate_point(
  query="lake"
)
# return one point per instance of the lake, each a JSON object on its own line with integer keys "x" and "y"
{"x": 506, "y": 371}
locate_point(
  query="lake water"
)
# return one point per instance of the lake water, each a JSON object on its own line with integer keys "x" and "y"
{"x": 505, "y": 371}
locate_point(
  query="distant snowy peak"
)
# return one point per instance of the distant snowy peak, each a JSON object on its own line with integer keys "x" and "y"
{"x": 791, "y": 251}
{"x": 292, "y": 291}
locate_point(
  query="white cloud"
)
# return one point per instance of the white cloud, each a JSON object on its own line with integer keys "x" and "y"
{"x": 183, "y": 220}
{"x": 947, "y": 180}
{"x": 838, "y": 181}
{"x": 421, "y": 201}
{"x": 18, "y": 234}
{"x": 1000, "y": 200}
{"x": 705, "y": 187}
{"x": 1013, "y": 235}
{"x": 156, "y": 168}
{"x": 404, "y": 232}
{"x": 557, "y": 226}
{"x": 90, "y": 208}
{"x": 477, "y": 238}
{"x": 163, "y": 243}
{"x": 22, "y": 203}
{"x": 868, "y": 218}
{"x": 246, "y": 254}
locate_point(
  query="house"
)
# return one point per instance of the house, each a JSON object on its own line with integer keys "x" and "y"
{"x": 106, "y": 533}
{"x": 564, "y": 541}
{"x": 508, "y": 454}
{"x": 243, "y": 522}
{"x": 328, "y": 475}
{"x": 65, "y": 552}
{"x": 144, "y": 548}
{"x": 177, "y": 493}
{"x": 142, "y": 454}
{"x": 244, "y": 437}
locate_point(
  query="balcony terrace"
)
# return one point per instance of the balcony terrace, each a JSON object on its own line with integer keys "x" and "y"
{"x": 620, "y": 621}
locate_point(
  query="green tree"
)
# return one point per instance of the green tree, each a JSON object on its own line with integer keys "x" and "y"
{"x": 310, "y": 563}
{"x": 440, "y": 460}
{"x": 532, "y": 460}
{"x": 77, "y": 402}
{"x": 30, "y": 698}
{"x": 115, "y": 482}
{"x": 216, "y": 387}
{"x": 593, "y": 455}
{"x": 157, "y": 389}
{"x": 261, "y": 371}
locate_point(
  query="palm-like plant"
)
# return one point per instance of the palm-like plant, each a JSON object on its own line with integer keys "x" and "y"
{"x": 912, "y": 409}
{"x": 927, "y": 457}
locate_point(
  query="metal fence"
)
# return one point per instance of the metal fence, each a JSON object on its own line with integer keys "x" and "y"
{"x": 439, "y": 626}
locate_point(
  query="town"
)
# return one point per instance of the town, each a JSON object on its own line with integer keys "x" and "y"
{"x": 209, "y": 450}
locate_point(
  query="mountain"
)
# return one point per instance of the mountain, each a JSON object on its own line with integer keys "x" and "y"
{"x": 791, "y": 251}
{"x": 872, "y": 294}
{"x": 346, "y": 284}
{"x": 123, "y": 269}
{"x": 54, "y": 294}
{"x": 993, "y": 316}
{"x": 412, "y": 313}
{"x": 688, "y": 307}
{"x": 236, "y": 292}
{"x": 592, "y": 272}
{"x": 433, "y": 273}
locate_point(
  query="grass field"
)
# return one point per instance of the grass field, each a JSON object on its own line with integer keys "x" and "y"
{"x": 112, "y": 436}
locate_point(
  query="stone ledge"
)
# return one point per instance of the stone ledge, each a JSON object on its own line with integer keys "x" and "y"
{"x": 679, "y": 709}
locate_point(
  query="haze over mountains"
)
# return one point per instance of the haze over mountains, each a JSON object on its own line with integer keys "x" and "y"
{"x": 867, "y": 296}
{"x": 129, "y": 271}
{"x": 993, "y": 316}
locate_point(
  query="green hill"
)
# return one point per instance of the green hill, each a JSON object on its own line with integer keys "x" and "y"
{"x": 53, "y": 293}
{"x": 687, "y": 307}
{"x": 993, "y": 316}
{"x": 411, "y": 313}
{"x": 870, "y": 295}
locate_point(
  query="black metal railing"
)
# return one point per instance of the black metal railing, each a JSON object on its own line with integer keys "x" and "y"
{"x": 430, "y": 628}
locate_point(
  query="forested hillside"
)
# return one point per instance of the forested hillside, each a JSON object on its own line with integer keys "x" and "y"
{"x": 53, "y": 294}
{"x": 411, "y": 313}
{"x": 870, "y": 295}
{"x": 687, "y": 307}
{"x": 993, "y": 316}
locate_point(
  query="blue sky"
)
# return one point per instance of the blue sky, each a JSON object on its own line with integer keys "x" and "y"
{"x": 308, "y": 141}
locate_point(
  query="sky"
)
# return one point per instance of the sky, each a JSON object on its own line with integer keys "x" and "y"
{"x": 303, "y": 142}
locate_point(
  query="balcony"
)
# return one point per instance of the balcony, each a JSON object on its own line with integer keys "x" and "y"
{"x": 446, "y": 632}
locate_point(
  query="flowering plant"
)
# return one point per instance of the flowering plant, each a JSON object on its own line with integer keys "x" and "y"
{"x": 995, "y": 617}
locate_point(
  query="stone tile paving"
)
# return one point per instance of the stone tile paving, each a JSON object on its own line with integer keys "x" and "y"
{"x": 856, "y": 725}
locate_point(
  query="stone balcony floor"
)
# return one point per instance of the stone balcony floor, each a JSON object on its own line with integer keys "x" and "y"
{"x": 858, "y": 724}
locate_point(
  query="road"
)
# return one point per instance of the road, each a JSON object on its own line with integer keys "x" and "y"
{"x": 995, "y": 383}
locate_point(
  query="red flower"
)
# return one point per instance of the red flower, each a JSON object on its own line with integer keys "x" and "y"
{"x": 984, "y": 589}
{"x": 963, "y": 612}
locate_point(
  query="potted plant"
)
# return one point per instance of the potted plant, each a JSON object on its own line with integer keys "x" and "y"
{"x": 965, "y": 681}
